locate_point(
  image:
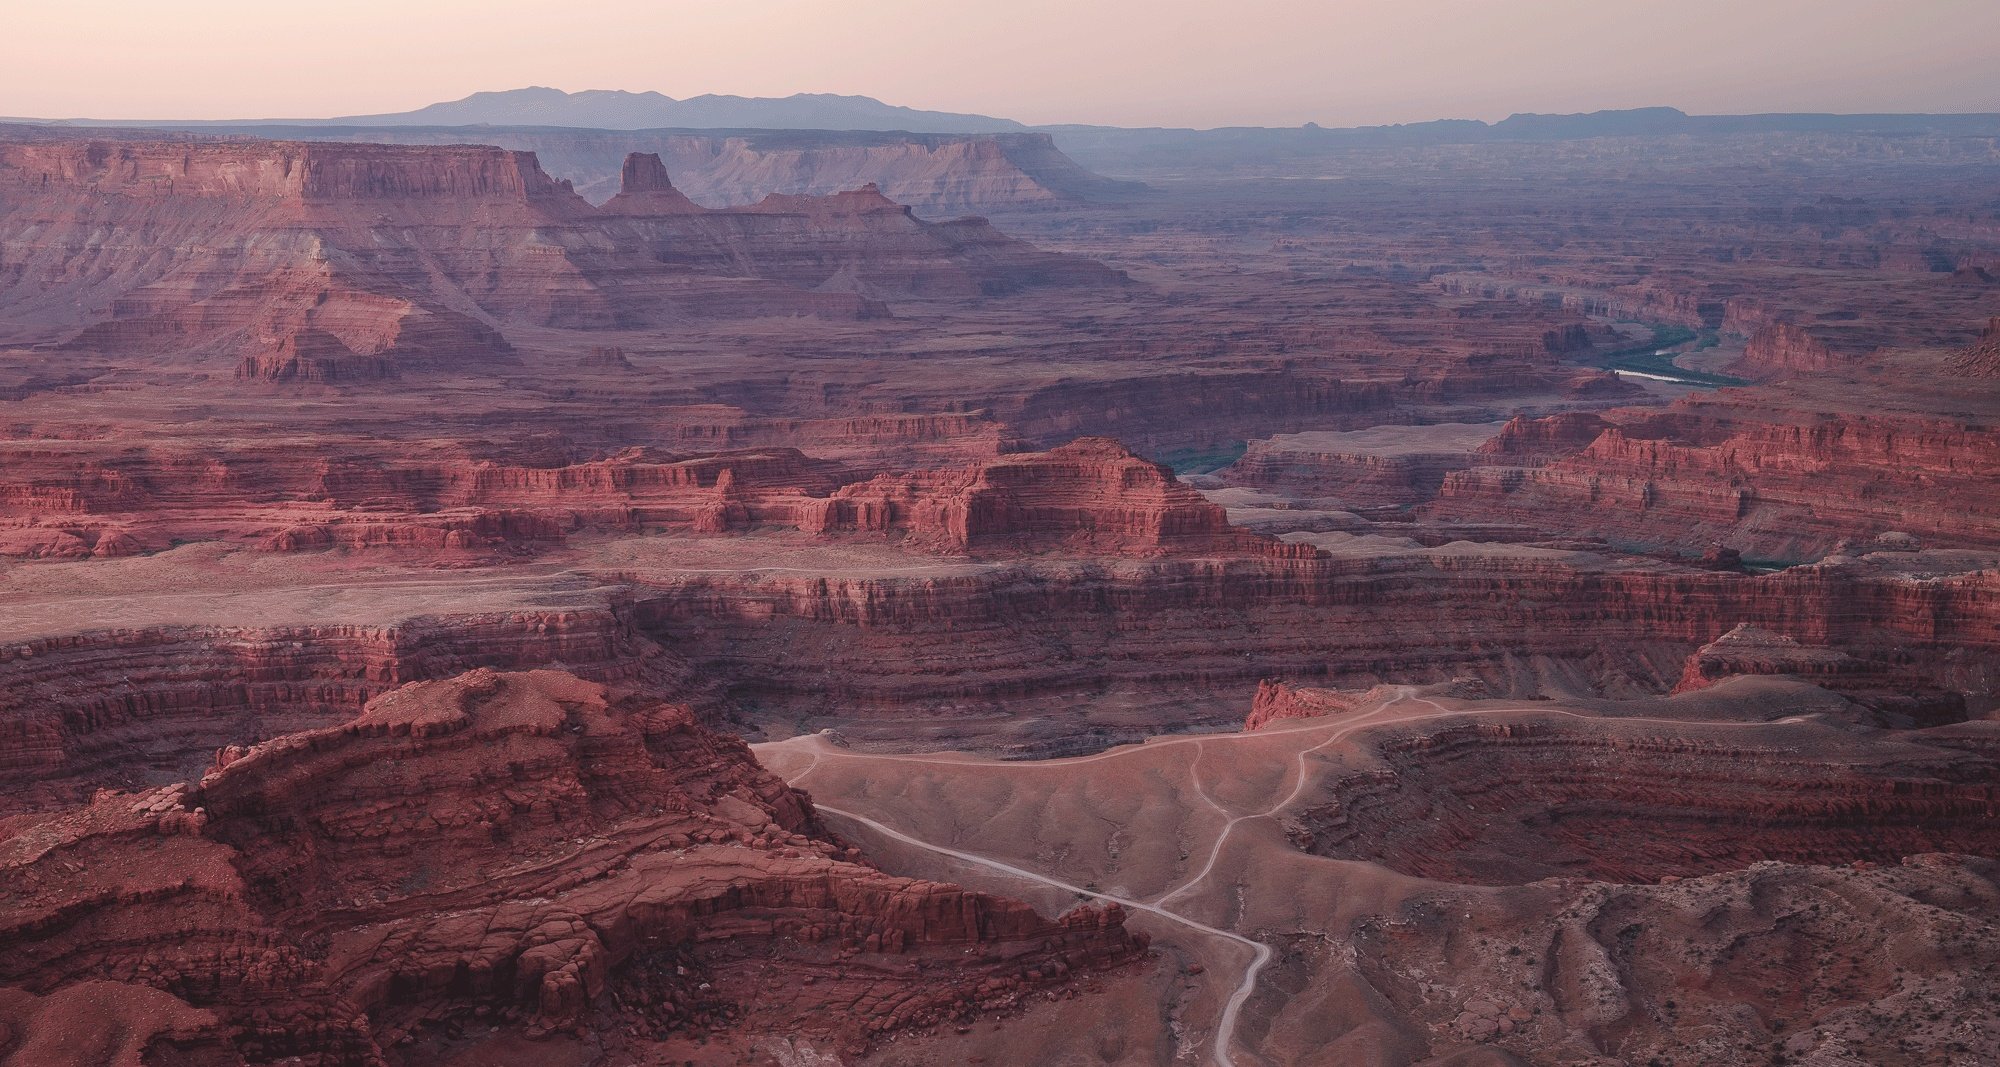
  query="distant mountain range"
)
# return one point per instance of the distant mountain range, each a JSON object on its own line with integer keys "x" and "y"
{"x": 824, "y": 126}
{"x": 610, "y": 109}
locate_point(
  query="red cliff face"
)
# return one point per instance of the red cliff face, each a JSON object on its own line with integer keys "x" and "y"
{"x": 1510, "y": 803}
{"x": 441, "y": 505}
{"x": 1782, "y": 349}
{"x": 1750, "y": 651}
{"x": 1773, "y": 482}
{"x": 518, "y": 848}
{"x": 1089, "y": 497}
{"x": 136, "y": 708}
{"x": 1186, "y": 636}
{"x": 330, "y": 262}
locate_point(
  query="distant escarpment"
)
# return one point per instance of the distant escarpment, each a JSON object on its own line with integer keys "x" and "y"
{"x": 937, "y": 174}
{"x": 1504, "y": 803}
{"x": 1172, "y": 634}
{"x": 335, "y": 262}
{"x": 1091, "y": 496}
{"x": 483, "y": 859}
{"x": 1773, "y": 482}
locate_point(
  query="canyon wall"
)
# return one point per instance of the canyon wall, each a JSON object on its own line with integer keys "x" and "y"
{"x": 1511, "y": 803}
{"x": 1772, "y": 482}
{"x": 323, "y": 261}
{"x": 1185, "y": 639}
{"x": 520, "y": 849}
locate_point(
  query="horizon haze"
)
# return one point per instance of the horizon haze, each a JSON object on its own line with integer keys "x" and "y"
{"x": 1176, "y": 63}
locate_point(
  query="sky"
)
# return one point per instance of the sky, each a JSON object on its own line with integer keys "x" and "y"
{"x": 1162, "y": 62}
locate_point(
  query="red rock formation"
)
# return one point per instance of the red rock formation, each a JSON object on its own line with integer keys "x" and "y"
{"x": 1179, "y": 638}
{"x": 1729, "y": 470}
{"x": 329, "y": 262}
{"x": 1783, "y": 349}
{"x": 136, "y": 708}
{"x": 938, "y": 174}
{"x": 1982, "y": 360}
{"x": 512, "y": 847}
{"x": 1508, "y": 803}
{"x": 1280, "y": 701}
{"x": 1090, "y": 496}
{"x": 1383, "y": 466}
{"x": 446, "y": 507}
{"x": 1747, "y": 650}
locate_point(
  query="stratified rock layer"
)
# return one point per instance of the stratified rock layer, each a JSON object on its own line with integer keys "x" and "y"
{"x": 506, "y": 846}
{"x": 1770, "y": 480}
{"x": 1509, "y": 803}
{"x": 329, "y": 262}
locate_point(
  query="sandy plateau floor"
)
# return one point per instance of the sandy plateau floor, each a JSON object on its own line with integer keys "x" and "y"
{"x": 1188, "y": 834}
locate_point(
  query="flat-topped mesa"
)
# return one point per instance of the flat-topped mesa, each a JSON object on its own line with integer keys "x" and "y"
{"x": 645, "y": 188}
{"x": 367, "y": 172}
{"x": 1775, "y": 482}
{"x": 287, "y": 170}
{"x": 203, "y": 251}
{"x": 866, "y": 200}
{"x": 1529, "y": 437}
{"x": 525, "y": 849}
{"x": 1092, "y": 494}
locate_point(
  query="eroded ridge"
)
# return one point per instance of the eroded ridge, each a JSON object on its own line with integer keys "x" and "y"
{"x": 525, "y": 850}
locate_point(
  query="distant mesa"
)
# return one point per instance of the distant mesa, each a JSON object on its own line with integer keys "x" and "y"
{"x": 610, "y": 109}
{"x": 320, "y": 262}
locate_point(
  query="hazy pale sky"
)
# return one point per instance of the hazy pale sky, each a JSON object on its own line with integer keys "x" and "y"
{"x": 1162, "y": 62}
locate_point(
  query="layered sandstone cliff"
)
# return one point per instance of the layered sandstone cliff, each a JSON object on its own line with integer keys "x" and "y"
{"x": 1783, "y": 349}
{"x": 1169, "y": 635}
{"x": 938, "y": 174}
{"x": 1774, "y": 482}
{"x": 445, "y": 506}
{"x": 523, "y": 849}
{"x": 331, "y": 262}
{"x": 1750, "y": 651}
{"x": 1510, "y": 803}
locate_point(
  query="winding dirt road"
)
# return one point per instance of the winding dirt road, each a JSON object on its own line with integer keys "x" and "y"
{"x": 1386, "y": 713}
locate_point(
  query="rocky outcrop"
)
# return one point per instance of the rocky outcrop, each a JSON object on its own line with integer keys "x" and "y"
{"x": 1982, "y": 360}
{"x": 520, "y": 848}
{"x": 1783, "y": 349}
{"x": 1807, "y": 964}
{"x": 1278, "y": 701}
{"x": 1089, "y": 497}
{"x": 1384, "y": 466}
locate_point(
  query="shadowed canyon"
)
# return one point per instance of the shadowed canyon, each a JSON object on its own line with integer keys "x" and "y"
{"x": 486, "y": 595}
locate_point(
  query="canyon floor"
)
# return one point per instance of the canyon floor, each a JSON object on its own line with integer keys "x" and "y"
{"x": 1457, "y": 605}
